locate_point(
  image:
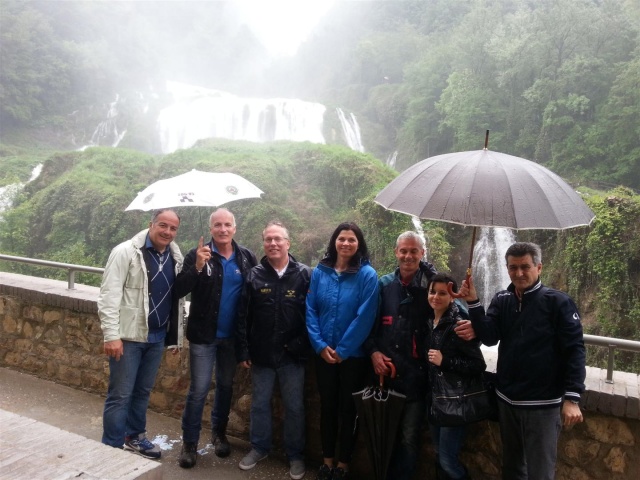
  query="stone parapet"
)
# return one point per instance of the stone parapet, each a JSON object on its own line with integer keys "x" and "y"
{"x": 54, "y": 333}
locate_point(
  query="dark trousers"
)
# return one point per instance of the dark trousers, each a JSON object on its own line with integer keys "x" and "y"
{"x": 336, "y": 383}
{"x": 529, "y": 442}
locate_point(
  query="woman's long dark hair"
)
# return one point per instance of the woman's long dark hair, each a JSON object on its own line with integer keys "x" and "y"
{"x": 331, "y": 255}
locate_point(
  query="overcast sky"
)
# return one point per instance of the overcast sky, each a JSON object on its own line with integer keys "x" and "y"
{"x": 282, "y": 25}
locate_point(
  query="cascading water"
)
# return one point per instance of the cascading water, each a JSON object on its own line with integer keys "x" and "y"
{"x": 391, "y": 160}
{"x": 106, "y": 133}
{"x": 199, "y": 113}
{"x": 9, "y": 192}
{"x": 489, "y": 270}
{"x": 417, "y": 224}
{"x": 351, "y": 130}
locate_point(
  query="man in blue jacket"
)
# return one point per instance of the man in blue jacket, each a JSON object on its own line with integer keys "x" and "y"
{"x": 214, "y": 274}
{"x": 272, "y": 341}
{"x": 541, "y": 363}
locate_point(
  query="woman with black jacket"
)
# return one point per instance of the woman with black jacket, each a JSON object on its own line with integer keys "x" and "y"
{"x": 448, "y": 353}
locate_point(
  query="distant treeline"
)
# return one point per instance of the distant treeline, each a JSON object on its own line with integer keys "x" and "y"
{"x": 556, "y": 81}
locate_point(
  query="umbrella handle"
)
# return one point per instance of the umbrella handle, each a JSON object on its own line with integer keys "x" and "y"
{"x": 392, "y": 375}
{"x": 450, "y": 285}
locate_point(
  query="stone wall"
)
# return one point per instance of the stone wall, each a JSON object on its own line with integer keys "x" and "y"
{"x": 52, "y": 332}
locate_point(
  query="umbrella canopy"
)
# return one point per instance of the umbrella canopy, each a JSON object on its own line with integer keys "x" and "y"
{"x": 379, "y": 413}
{"x": 482, "y": 188}
{"x": 486, "y": 189}
{"x": 195, "y": 188}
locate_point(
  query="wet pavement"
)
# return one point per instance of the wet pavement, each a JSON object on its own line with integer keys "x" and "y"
{"x": 81, "y": 413}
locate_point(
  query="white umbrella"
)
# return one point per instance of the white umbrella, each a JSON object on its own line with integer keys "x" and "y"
{"x": 195, "y": 189}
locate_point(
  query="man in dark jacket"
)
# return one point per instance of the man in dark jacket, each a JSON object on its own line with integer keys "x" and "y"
{"x": 214, "y": 274}
{"x": 541, "y": 363}
{"x": 272, "y": 341}
{"x": 399, "y": 337}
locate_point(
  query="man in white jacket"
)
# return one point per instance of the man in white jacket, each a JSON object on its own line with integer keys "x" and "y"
{"x": 139, "y": 315}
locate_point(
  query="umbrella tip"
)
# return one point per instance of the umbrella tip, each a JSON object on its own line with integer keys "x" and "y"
{"x": 486, "y": 140}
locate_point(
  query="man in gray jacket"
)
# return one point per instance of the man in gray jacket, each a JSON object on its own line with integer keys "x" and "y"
{"x": 139, "y": 314}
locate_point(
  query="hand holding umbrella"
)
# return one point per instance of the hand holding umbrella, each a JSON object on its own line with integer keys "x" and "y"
{"x": 203, "y": 255}
{"x": 469, "y": 289}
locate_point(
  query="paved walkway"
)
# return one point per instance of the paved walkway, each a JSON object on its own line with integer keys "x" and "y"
{"x": 81, "y": 413}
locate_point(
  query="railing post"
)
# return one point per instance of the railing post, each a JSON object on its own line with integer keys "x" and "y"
{"x": 72, "y": 277}
{"x": 610, "y": 358}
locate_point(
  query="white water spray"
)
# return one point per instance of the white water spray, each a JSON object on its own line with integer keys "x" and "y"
{"x": 417, "y": 224}
{"x": 351, "y": 130}
{"x": 392, "y": 159}
{"x": 8, "y": 193}
{"x": 106, "y": 133}
{"x": 199, "y": 113}
{"x": 489, "y": 270}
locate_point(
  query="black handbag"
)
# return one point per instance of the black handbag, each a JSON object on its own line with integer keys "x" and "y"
{"x": 458, "y": 399}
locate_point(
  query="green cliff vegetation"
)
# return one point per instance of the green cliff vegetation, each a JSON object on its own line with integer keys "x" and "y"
{"x": 74, "y": 211}
{"x": 600, "y": 267}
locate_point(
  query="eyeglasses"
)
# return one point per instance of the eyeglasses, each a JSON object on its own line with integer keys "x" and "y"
{"x": 268, "y": 240}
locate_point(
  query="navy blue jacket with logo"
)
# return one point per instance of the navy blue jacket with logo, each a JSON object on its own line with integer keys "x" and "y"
{"x": 541, "y": 356}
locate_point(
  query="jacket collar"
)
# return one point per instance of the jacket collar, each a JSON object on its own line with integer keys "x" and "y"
{"x": 421, "y": 278}
{"x": 139, "y": 240}
{"x": 534, "y": 288}
{"x": 265, "y": 263}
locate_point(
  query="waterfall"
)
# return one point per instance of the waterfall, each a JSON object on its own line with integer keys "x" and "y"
{"x": 351, "y": 130}
{"x": 417, "y": 223}
{"x": 489, "y": 269}
{"x": 199, "y": 113}
{"x": 391, "y": 160}
{"x": 8, "y": 193}
{"x": 106, "y": 133}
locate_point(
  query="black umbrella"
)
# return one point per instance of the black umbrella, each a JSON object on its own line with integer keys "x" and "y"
{"x": 482, "y": 188}
{"x": 379, "y": 413}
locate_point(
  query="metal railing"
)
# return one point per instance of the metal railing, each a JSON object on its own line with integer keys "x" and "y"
{"x": 610, "y": 343}
{"x": 71, "y": 268}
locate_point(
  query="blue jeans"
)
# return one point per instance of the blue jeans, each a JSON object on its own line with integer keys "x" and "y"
{"x": 291, "y": 380}
{"x": 405, "y": 455}
{"x": 202, "y": 359}
{"x": 130, "y": 382}
{"x": 447, "y": 442}
{"x": 529, "y": 442}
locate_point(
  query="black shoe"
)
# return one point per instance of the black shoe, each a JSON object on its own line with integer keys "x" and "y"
{"x": 325, "y": 472}
{"x": 340, "y": 474}
{"x": 188, "y": 455}
{"x": 221, "y": 445}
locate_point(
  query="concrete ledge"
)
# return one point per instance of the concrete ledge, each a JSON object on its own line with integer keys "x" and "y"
{"x": 32, "y": 449}
{"x": 44, "y": 291}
